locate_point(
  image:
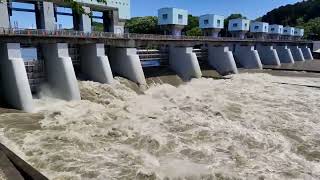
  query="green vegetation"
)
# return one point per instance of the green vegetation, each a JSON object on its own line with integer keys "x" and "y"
{"x": 303, "y": 14}
{"x": 143, "y": 25}
{"x": 77, "y": 7}
{"x": 97, "y": 26}
{"x": 192, "y": 29}
{"x": 149, "y": 25}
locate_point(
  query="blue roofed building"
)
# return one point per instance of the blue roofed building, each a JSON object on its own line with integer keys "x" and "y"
{"x": 239, "y": 27}
{"x": 172, "y": 20}
{"x": 275, "y": 31}
{"x": 211, "y": 24}
{"x": 288, "y": 33}
{"x": 259, "y": 29}
{"x": 298, "y": 33}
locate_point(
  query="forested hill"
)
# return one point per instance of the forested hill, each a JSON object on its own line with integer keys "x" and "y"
{"x": 305, "y": 14}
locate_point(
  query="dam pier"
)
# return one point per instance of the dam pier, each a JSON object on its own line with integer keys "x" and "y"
{"x": 64, "y": 54}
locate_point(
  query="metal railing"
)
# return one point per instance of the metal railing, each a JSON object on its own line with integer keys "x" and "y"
{"x": 111, "y": 35}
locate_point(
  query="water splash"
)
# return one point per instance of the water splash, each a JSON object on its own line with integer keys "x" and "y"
{"x": 251, "y": 126}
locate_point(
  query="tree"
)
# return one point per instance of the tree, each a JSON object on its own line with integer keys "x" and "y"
{"x": 196, "y": 31}
{"x": 77, "y": 6}
{"x": 143, "y": 25}
{"x": 303, "y": 14}
{"x": 311, "y": 28}
{"x": 290, "y": 14}
{"x": 192, "y": 29}
{"x": 193, "y": 21}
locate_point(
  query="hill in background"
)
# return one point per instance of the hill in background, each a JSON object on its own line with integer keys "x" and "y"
{"x": 305, "y": 14}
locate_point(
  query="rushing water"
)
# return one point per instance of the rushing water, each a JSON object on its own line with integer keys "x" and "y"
{"x": 252, "y": 126}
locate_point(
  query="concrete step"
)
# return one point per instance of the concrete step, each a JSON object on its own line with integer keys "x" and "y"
{"x": 14, "y": 167}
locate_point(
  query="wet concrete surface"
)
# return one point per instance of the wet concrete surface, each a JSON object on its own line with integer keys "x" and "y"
{"x": 13, "y": 167}
{"x": 282, "y": 73}
{"x": 308, "y": 66}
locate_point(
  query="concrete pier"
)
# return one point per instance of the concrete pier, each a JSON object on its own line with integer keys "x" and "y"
{"x": 284, "y": 54}
{"x": 112, "y": 22}
{"x": 83, "y": 21}
{"x": 296, "y": 53}
{"x": 268, "y": 55}
{"x": 248, "y": 57}
{"x": 95, "y": 64}
{"x": 126, "y": 62}
{"x": 15, "y": 86}
{"x": 60, "y": 72}
{"x": 4, "y": 15}
{"x": 221, "y": 58}
{"x": 184, "y": 62}
{"x": 306, "y": 53}
{"x": 45, "y": 16}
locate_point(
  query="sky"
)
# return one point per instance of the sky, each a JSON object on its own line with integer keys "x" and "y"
{"x": 252, "y": 9}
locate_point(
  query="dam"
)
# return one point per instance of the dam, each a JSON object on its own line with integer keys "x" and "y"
{"x": 63, "y": 55}
{"x": 147, "y": 106}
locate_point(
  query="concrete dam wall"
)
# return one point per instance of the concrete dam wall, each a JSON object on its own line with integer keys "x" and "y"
{"x": 59, "y": 65}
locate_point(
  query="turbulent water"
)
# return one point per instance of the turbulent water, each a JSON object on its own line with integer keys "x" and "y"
{"x": 252, "y": 126}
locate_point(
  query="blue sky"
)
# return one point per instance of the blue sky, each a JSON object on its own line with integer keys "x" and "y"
{"x": 249, "y": 8}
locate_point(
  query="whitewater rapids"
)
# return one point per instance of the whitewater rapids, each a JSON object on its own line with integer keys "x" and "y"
{"x": 251, "y": 126}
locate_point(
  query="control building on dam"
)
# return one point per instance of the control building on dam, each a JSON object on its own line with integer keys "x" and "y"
{"x": 63, "y": 55}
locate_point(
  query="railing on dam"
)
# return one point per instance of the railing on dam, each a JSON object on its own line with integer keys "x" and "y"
{"x": 111, "y": 35}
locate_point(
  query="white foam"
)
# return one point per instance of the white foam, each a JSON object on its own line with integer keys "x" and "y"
{"x": 250, "y": 126}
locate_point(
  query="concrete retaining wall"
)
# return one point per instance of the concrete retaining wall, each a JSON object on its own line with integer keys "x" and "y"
{"x": 4, "y": 16}
{"x": 284, "y": 54}
{"x": 126, "y": 63}
{"x": 95, "y": 64}
{"x": 247, "y": 57}
{"x": 316, "y": 46}
{"x": 14, "y": 80}
{"x": 60, "y": 73}
{"x": 268, "y": 55}
{"x": 221, "y": 58}
{"x": 306, "y": 53}
{"x": 184, "y": 62}
{"x": 296, "y": 53}
{"x": 85, "y": 21}
{"x": 46, "y": 15}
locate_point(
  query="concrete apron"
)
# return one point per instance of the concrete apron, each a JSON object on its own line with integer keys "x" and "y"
{"x": 221, "y": 58}
{"x": 248, "y": 57}
{"x": 184, "y": 62}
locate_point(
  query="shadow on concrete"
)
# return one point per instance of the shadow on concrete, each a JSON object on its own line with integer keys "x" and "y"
{"x": 13, "y": 167}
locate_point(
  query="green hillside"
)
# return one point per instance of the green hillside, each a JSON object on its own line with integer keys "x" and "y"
{"x": 305, "y": 14}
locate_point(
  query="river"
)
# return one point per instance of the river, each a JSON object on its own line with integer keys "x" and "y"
{"x": 251, "y": 126}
